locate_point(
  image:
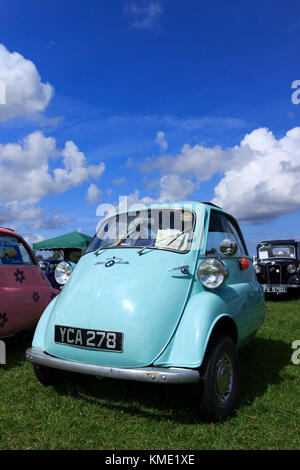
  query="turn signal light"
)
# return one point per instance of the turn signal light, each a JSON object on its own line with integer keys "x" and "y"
{"x": 244, "y": 264}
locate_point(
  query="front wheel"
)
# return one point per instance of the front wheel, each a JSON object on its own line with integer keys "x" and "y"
{"x": 47, "y": 375}
{"x": 218, "y": 388}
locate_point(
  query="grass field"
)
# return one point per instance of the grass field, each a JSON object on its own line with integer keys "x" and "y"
{"x": 88, "y": 413}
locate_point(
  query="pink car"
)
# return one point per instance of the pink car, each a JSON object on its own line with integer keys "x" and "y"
{"x": 24, "y": 289}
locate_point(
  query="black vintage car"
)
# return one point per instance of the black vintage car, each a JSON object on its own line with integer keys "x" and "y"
{"x": 277, "y": 266}
{"x": 48, "y": 266}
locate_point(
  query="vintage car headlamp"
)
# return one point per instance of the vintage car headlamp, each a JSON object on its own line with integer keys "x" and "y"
{"x": 257, "y": 268}
{"x": 212, "y": 273}
{"x": 62, "y": 272}
{"x": 291, "y": 268}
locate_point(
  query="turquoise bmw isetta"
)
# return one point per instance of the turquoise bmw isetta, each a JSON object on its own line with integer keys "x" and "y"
{"x": 163, "y": 294}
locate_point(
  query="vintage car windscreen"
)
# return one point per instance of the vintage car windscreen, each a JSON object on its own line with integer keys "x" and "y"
{"x": 272, "y": 251}
{"x": 13, "y": 252}
{"x": 169, "y": 229}
{"x": 43, "y": 265}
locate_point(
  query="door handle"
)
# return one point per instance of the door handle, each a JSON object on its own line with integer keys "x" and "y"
{"x": 183, "y": 269}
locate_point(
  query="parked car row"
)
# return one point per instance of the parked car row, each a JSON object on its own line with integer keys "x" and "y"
{"x": 190, "y": 259}
{"x": 165, "y": 294}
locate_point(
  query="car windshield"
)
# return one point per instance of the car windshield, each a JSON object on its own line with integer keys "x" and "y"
{"x": 170, "y": 229}
{"x": 278, "y": 251}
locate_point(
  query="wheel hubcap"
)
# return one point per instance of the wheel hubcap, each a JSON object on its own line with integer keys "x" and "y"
{"x": 224, "y": 377}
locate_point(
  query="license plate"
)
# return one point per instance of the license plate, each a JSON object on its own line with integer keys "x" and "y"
{"x": 90, "y": 339}
{"x": 275, "y": 289}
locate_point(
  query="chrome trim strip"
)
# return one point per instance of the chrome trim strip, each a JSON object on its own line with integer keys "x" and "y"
{"x": 144, "y": 374}
{"x": 280, "y": 285}
{"x": 220, "y": 256}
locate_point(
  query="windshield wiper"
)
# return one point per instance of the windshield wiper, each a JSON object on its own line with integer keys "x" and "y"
{"x": 111, "y": 244}
{"x": 103, "y": 247}
{"x": 131, "y": 232}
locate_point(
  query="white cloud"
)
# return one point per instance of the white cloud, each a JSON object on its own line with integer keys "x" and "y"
{"x": 173, "y": 187}
{"x": 119, "y": 181}
{"x": 131, "y": 200}
{"x": 55, "y": 221}
{"x": 25, "y": 93}
{"x": 93, "y": 195}
{"x": 263, "y": 182}
{"x": 32, "y": 238}
{"x": 76, "y": 170}
{"x": 26, "y": 177}
{"x": 197, "y": 161}
{"x": 20, "y": 210}
{"x": 161, "y": 141}
{"x": 259, "y": 178}
{"x": 144, "y": 14}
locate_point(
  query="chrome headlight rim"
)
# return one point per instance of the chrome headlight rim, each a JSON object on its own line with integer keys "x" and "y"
{"x": 257, "y": 268}
{"x": 62, "y": 272}
{"x": 291, "y": 269}
{"x": 212, "y": 273}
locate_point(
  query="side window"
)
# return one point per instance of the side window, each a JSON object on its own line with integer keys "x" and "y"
{"x": 220, "y": 228}
{"x": 26, "y": 257}
{"x": 13, "y": 252}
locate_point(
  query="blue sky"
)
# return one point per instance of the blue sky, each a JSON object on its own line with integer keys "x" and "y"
{"x": 156, "y": 99}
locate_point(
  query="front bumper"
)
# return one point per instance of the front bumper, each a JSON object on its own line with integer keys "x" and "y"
{"x": 172, "y": 375}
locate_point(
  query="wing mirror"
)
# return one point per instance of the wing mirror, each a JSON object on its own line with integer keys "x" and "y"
{"x": 228, "y": 247}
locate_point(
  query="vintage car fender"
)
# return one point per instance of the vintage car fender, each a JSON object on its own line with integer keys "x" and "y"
{"x": 188, "y": 345}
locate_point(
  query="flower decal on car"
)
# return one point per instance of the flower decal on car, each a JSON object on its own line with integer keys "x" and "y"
{"x": 19, "y": 276}
{"x": 53, "y": 295}
{"x": 36, "y": 297}
{"x": 3, "y": 319}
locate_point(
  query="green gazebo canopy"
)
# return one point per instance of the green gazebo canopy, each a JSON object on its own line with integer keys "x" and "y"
{"x": 69, "y": 241}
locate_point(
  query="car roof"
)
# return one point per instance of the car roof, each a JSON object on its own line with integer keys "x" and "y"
{"x": 283, "y": 242}
{"x": 210, "y": 204}
{"x": 10, "y": 231}
{"x": 7, "y": 230}
{"x": 186, "y": 205}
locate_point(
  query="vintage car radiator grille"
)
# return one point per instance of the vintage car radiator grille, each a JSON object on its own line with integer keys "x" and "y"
{"x": 274, "y": 274}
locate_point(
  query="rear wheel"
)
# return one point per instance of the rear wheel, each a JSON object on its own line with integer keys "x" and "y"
{"x": 218, "y": 388}
{"x": 47, "y": 375}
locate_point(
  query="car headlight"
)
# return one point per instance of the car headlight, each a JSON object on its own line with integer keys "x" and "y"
{"x": 62, "y": 272}
{"x": 212, "y": 273}
{"x": 257, "y": 268}
{"x": 291, "y": 268}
